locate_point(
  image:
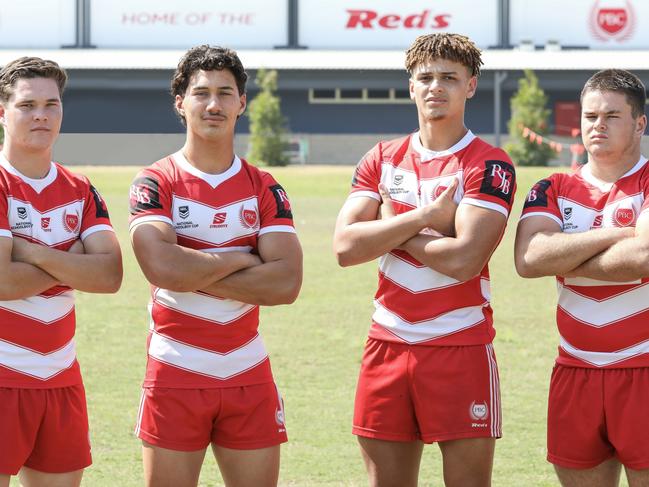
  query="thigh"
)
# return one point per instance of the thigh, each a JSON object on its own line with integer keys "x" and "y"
{"x": 391, "y": 463}
{"x": 456, "y": 392}
{"x": 606, "y": 474}
{"x": 177, "y": 419}
{"x": 250, "y": 418}
{"x": 637, "y": 478}
{"x": 383, "y": 406}
{"x": 171, "y": 468}
{"x": 577, "y": 436}
{"x": 468, "y": 462}
{"x": 34, "y": 478}
{"x": 63, "y": 444}
{"x": 248, "y": 468}
{"x": 626, "y": 398}
{"x": 21, "y": 411}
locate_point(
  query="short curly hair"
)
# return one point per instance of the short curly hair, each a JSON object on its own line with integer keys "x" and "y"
{"x": 453, "y": 47}
{"x": 207, "y": 58}
{"x": 30, "y": 67}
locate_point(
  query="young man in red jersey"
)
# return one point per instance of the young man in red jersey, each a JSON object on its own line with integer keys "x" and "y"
{"x": 590, "y": 229}
{"x": 55, "y": 236}
{"x": 214, "y": 236}
{"x": 432, "y": 206}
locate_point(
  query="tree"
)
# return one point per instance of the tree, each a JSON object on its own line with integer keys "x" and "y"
{"x": 529, "y": 111}
{"x": 267, "y": 124}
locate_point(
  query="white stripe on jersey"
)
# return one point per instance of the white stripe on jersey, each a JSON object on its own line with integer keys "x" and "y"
{"x": 366, "y": 194}
{"x": 414, "y": 279}
{"x": 150, "y": 218}
{"x": 604, "y": 312}
{"x": 35, "y": 364}
{"x": 97, "y": 228}
{"x": 44, "y": 309}
{"x": 602, "y": 359}
{"x": 442, "y": 325}
{"x": 486, "y": 204}
{"x": 540, "y": 213}
{"x": 207, "y": 362}
{"x": 585, "y": 281}
{"x": 277, "y": 228}
{"x": 217, "y": 310}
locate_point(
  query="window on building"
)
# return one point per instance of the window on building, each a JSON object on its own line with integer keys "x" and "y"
{"x": 358, "y": 95}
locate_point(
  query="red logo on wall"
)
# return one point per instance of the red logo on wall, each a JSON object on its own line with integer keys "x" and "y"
{"x": 623, "y": 217}
{"x": 369, "y": 19}
{"x": 612, "y": 22}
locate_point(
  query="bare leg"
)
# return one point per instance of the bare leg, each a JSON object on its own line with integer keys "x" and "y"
{"x": 4, "y": 480}
{"x": 171, "y": 468}
{"x": 248, "y": 468}
{"x": 468, "y": 462}
{"x": 391, "y": 463}
{"x": 637, "y": 478}
{"x": 606, "y": 474}
{"x": 34, "y": 478}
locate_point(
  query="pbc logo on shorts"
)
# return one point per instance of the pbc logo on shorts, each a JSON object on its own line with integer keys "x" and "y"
{"x": 478, "y": 411}
{"x": 538, "y": 195}
{"x": 624, "y": 217}
{"x": 498, "y": 180}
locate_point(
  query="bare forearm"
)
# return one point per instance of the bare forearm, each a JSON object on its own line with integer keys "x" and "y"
{"x": 24, "y": 280}
{"x": 550, "y": 254}
{"x": 267, "y": 284}
{"x": 627, "y": 260}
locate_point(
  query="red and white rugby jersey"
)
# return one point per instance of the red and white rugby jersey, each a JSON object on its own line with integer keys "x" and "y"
{"x": 601, "y": 323}
{"x": 197, "y": 340}
{"x": 37, "y": 333}
{"x": 414, "y": 303}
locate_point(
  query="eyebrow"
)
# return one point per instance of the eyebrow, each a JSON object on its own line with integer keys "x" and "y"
{"x": 592, "y": 112}
{"x": 438, "y": 72}
{"x": 225, "y": 87}
{"x": 32, "y": 100}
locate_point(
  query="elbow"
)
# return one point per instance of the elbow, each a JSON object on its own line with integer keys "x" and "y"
{"x": 164, "y": 278}
{"x": 113, "y": 282}
{"x": 464, "y": 269}
{"x": 344, "y": 253}
{"x": 525, "y": 268}
{"x": 286, "y": 294}
{"x": 344, "y": 259}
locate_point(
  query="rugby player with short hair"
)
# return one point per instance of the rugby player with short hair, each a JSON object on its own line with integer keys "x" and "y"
{"x": 55, "y": 236}
{"x": 214, "y": 236}
{"x": 432, "y": 206}
{"x": 590, "y": 229}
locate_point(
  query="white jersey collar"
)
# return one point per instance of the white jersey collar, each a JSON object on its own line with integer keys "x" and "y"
{"x": 427, "y": 154}
{"x": 37, "y": 185}
{"x": 604, "y": 186}
{"x": 212, "y": 179}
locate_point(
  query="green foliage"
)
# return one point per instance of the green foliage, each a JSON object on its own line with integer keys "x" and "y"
{"x": 267, "y": 124}
{"x": 529, "y": 110}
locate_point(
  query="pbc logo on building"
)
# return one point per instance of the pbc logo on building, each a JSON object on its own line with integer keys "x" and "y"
{"x": 610, "y": 21}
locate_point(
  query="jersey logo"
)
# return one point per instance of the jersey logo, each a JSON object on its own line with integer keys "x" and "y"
{"x": 183, "y": 211}
{"x": 623, "y": 217}
{"x": 281, "y": 201}
{"x": 248, "y": 218}
{"x": 567, "y": 213}
{"x": 144, "y": 195}
{"x": 22, "y": 212}
{"x": 218, "y": 221}
{"x": 498, "y": 180}
{"x": 478, "y": 411}
{"x": 100, "y": 205}
{"x": 538, "y": 195}
{"x": 70, "y": 221}
{"x": 597, "y": 222}
{"x": 45, "y": 222}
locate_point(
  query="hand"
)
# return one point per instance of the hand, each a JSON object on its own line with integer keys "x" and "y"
{"x": 77, "y": 247}
{"x": 440, "y": 214}
{"x": 386, "y": 210}
{"x": 254, "y": 260}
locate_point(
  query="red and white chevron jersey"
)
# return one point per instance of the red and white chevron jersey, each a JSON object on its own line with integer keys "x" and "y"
{"x": 414, "y": 303}
{"x": 601, "y": 323}
{"x": 37, "y": 333}
{"x": 197, "y": 340}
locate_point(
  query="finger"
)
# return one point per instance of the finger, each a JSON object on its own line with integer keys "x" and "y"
{"x": 385, "y": 195}
{"x": 450, "y": 190}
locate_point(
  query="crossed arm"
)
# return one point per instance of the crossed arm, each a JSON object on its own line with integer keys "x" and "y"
{"x": 273, "y": 277}
{"x": 609, "y": 254}
{"x": 27, "y": 269}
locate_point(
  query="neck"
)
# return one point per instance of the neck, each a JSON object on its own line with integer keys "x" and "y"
{"x": 33, "y": 164}
{"x": 209, "y": 156}
{"x": 439, "y": 135}
{"x": 610, "y": 170}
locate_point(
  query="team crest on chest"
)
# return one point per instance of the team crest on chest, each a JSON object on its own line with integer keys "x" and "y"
{"x": 248, "y": 217}
{"x": 71, "y": 221}
{"x": 623, "y": 217}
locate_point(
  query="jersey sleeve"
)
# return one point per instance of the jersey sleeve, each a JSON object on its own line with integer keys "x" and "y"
{"x": 95, "y": 213}
{"x": 491, "y": 183}
{"x": 5, "y": 228}
{"x": 274, "y": 207}
{"x": 542, "y": 200}
{"x": 367, "y": 175}
{"x": 150, "y": 198}
{"x": 645, "y": 191}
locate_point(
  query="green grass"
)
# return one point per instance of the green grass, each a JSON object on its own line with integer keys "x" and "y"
{"x": 315, "y": 347}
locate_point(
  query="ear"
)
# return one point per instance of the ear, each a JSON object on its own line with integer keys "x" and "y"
{"x": 641, "y": 125}
{"x": 473, "y": 85}
{"x": 178, "y": 103}
{"x": 411, "y": 89}
{"x": 243, "y": 101}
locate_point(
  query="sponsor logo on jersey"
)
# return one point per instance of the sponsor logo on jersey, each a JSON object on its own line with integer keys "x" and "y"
{"x": 567, "y": 213}
{"x": 612, "y": 22}
{"x": 281, "y": 201}
{"x": 538, "y": 197}
{"x": 71, "y": 221}
{"x": 248, "y": 218}
{"x": 101, "y": 210}
{"x": 144, "y": 195}
{"x": 183, "y": 211}
{"x": 45, "y": 223}
{"x": 398, "y": 179}
{"x": 478, "y": 411}
{"x": 498, "y": 180}
{"x": 623, "y": 217}
{"x": 597, "y": 222}
{"x": 219, "y": 220}
{"x": 22, "y": 212}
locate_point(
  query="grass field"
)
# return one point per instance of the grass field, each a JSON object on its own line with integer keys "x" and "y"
{"x": 315, "y": 347}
